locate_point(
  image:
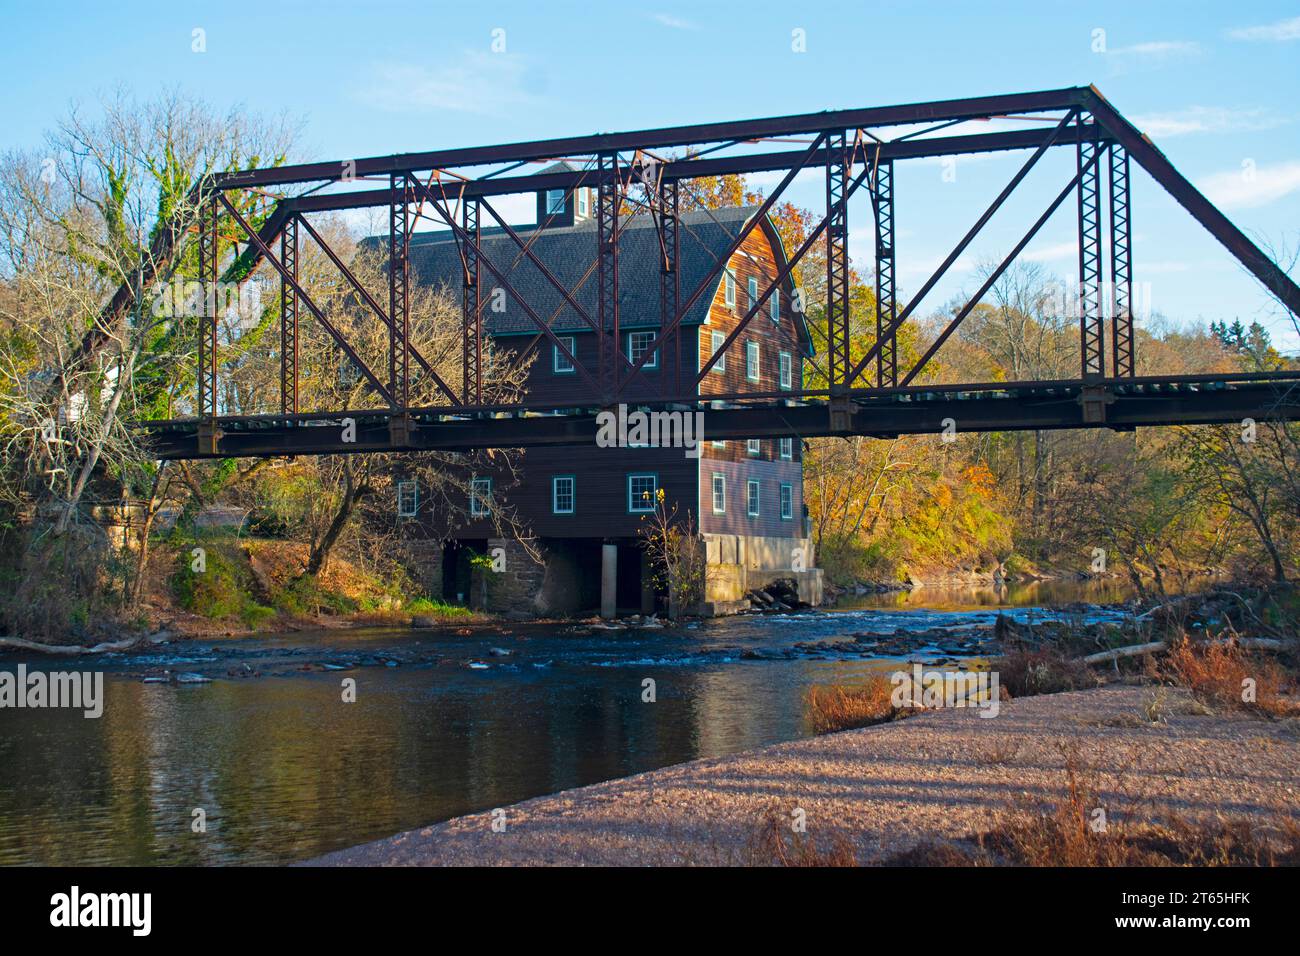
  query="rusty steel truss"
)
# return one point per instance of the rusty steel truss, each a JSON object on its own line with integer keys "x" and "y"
{"x": 645, "y": 173}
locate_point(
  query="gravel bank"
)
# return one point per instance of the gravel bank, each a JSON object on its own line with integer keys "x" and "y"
{"x": 942, "y": 774}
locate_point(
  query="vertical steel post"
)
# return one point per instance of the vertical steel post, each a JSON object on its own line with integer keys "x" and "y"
{"x": 607, "y": 209}
{"x": 670, "y": 282}
{"x": 837, "y": 261}
{"x": 471, "y": 309}
{"x": 887, "y": 356}
{"x": 209, "y": 264}
{"x": 399, "y": 328}
{"x": 289, "y": 320}
{"x": 1121, "y": 264}
{"x": 1092, "y": 335}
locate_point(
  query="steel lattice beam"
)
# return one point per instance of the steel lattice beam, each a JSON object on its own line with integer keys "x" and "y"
{"x": 883, "y": 204}
{"x": 1121, "y": 266}
{"x": 289, "y": 320}
{"x": 1092, "y": 346}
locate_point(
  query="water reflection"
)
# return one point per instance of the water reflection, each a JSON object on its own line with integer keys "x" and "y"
{"x": 284, "y": 770}
{"x": 1054, "y": 593}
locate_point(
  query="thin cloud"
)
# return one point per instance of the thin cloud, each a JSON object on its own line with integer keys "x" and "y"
{"x": 1279, "y": 32}
{"x": 1206, "y": 119}
{"x": 674, "y": 23}
{"x": 1159, "y": 49}
{"x": 1054, "y": 253}
{"x": 1252, "y": 186}
{"x": 490, "y": 84}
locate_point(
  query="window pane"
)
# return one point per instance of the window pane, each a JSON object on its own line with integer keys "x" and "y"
{"x": 787, "y": 501}
{"x": 751, "y": 361}
{"x": 787, "y": 448}
{"x": 641, "y": 493}
{"x": 719, "y": 494}
{"x": 774, "y": 307}
{"x": 408, "y": 499}
{"x": 554, "y": 201}
{"x": 753, "y": 291}
{"x": 561, "y": 361}
{"x": 755, "y": 446}
{"x": 563, "y": 495}
{"x": 717, "y": 338}
{"x": 480, "y": 495}
{"x": 638, "y": 343}
{"x": 752, "y": 489}
{"x": 785, "y": 369}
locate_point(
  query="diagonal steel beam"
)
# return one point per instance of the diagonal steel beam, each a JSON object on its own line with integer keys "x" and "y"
{"x": 373, "y": 304}
{"x": 1002, "y": 267}
{"x": 306, "y": 299}
{"x": 710, "y": 279}
{"x": 483, "y": 260}
{"x": 960, "y": 247}
{"x": 1189, "y": 197}
{"x": 782, "y": 274}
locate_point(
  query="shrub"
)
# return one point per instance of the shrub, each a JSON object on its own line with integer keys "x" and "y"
{"x": 1219, "y": 673}
{"x": 1025, "y": 671}
{"x": 831, "y": 709}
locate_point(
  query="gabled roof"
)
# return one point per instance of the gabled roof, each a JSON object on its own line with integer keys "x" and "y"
{"x": 569, "y": 253}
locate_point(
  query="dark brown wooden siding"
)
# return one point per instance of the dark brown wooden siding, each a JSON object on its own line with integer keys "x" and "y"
{"x": 600, "y": 485}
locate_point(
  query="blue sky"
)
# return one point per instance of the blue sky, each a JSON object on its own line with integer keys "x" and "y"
{"x": 1214, "y": 87}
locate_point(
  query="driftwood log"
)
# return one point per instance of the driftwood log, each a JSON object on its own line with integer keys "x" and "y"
{"x": 76, "y": 650}
{"x": 1134, "y": 650}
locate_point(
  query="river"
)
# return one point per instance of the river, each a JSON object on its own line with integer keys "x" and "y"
{"x": 445, "y": 722}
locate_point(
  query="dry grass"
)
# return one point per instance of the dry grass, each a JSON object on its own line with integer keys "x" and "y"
{"x": 1218, "y": 674}
{"x": 1024, "y": 671}
{"x": 776, "y": 843}
{"x": 831, "y": 709}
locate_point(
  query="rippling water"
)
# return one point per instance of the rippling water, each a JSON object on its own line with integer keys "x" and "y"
{"x": 284, "y": 770}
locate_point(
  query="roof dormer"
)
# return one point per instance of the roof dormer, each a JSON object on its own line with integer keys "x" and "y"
{"x": 565, "y": 207}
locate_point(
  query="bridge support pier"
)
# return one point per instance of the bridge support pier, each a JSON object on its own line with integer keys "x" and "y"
{"x": 609, "y": 580}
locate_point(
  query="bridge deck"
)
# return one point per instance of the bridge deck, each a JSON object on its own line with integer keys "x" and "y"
{"x": 987, "y": 407}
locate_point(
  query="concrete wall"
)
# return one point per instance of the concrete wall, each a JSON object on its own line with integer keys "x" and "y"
{"x": 742, "y": 563}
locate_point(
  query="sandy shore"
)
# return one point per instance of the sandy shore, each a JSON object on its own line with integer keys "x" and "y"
{"x": 942, "y": 774}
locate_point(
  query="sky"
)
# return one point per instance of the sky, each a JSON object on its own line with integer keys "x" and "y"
{"x": 1214, "y": 86}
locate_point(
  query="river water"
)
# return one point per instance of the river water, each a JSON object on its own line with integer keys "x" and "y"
{"x": 445, "y": 722}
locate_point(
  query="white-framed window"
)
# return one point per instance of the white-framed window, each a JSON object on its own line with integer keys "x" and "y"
{"x": 787, "y": 502}
{"x": 560, "y": 363}
{"x": 408, "y": 499}
{"x": 752, "y": 288}
{"x": 719, "y": 494}
{"x": 729, "y": 289}
{"x": 480, "y": 497}
{"x": 786, "y": 369}
{"x": 751, "y": 498}
{"x": 563, "y": 495}
{"x": 774, "y": 305}
{"x": 754, "y": 446}
{"x": 554, "y": 201}
{"x": 641, "y": 492}
{"x": 715, "y": 341}
{"x": 787, "y": 449}
{"x": 751, "y": 361}
{"x": 718, "y": 444}
{"x": 582, "y": 202}
{"x": 638, "y": 343}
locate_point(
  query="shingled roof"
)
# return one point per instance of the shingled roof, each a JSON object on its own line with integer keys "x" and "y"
{"x": 569, "y": 252}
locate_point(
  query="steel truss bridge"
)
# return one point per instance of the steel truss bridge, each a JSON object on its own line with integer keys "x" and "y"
{"x": 645, "y": 172}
